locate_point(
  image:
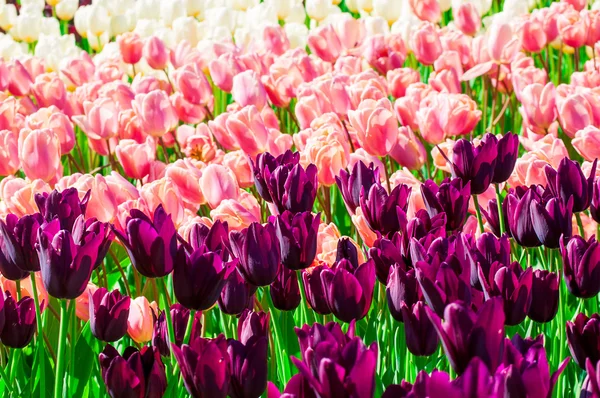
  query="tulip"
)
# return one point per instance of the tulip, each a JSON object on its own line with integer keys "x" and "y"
{"x": 199, "y": 280}
{"x": 151, "y": 244}
{"x": 421, "y": 337}
{"x": 376, "y": 126}
{"x": 19, "y": 321}
{"x": 135, "y": 157}
{"x": 586, "y": 143}
{"x": 135, "y": 374}
{"x": 67, "y": 257}
{"x": 247, "y": 90}
{"x": 520, "y": 223}
{"x": 487, "y": 250}
{"x": 595, "y": 204}
{"x": 591, "y": 384}
{"x": 385, "y": 253}
{"x": 140, "y": 324}
{"x": 583, "y": 339}
{"x": 193, "y": 85}
{"x": 401, "y": 290}
{"x": 18, "y": 255}
{"x": 285, "y": 292}
{"x": 64, "y": 206}
{"x": 581, "y": 267}
{"x": 508, "y": 152}
{"x": 325, "y": 43}
{"x": 217, "y": 184}
{"x": 293, "y": 188}
{"x": 39, "y": 153}
{"x": 351, "y": 184}
{"x": 348, "y": 290}
{"x": 385, "y": 213}
{"x": 130, "y": 46}
{"x": 108, "y": 314}
{"x": 575, "y": 113}
{"x": 313, "y": 279}
{"x": 450, "y": 197}
{"x": 475, "y": 164}
{"x": 466, "y": 335}
{"x": 385, "y": 53}
{"x": 441, "y": 286}
{"x": 215, "y": 238}
{"x": 9, "y": 153}
{"x": 467, "y": 18}
{"x": 409, "y": 152}
{"x": 425, "y": 43}
{"x": 180, "y": 317}
{"x": 297, "y": 235}
{"x": 568, "y": 181}
{"x": 155, "y": 53}
{"x": 264, "y": 167}
{"x": 249, "y": 130}
{"x": 545, "y": 296}
{"x": 237, "y": 295}
{"x": 248, "y": 366}
{"x": 551, "y": 220}
{"x": 539, "y": 106}
{"x": 400, "y": 79}
{"x": 258, "y": 252}
{"x": 156, "y": 115}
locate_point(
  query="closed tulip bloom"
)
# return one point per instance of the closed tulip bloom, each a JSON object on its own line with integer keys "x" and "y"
{"x": 180, "y": 317}
{"x": 19, "y": 321}
{"x": 293, "y": 188}
{"x": 387, "y": 252}
{"x": 586, "y": 142}
{"x": 467, "y": 18}
{"x": 385, "y": 213}
{"x": 425, "y": 43}
{"x": 552, "y": 219}
{"x": 441, "y": 285}
{"x": 581, "y": 266}
{"x": 376, "y": 126}
{"x": 135, "y": 374}
{"x": 130, "y": 46}
{"x": 475, "y": 164}
{"x": 297, "y": 235}
{"x": 520, "y": 223}
{"x": 258, "y": 252}
{"x": 569, "y": 181}
{"x": 421, "y": 336}
{"x": 385, "y": 53}
{"x": 248, "y": 364}
{"x": 237, "y": 295}
{"x": 325, "y": 43}
{"x": 156, "y": 115}
{"x": 508, "y": 152}
{"x": 574, "y": 113}
{"x": 67, "y": 258}
{"x": 285, "y": 292}
{"x": 399, "y": 79}
{"x": 249, "y": 130}
{"x": 135, "y": 157}
{"x": 351, "y": 184}
{"x": 108, "y": 314}
{"x": 151, "y": 244}
{"x": 205, "y": 367}
{"x": 591, "y": 384}
{"x": 248, "y": 90}
{"x": 583, "y": 337}
{"x": 545, "y": 296}
{"x": 155, "y": 53}
{"x": 265, "y": 165}
{"x": 199, "y": 280}
{"x": 572, "y": 27}
{"x": 349, "y": 290}
{"x": 39, "y": 153}
{"x": 140, "y": 323}
{"x": 18, "y": 236}
{"x": 450, "y": 197}
{"x": 401, "y": 290}
{"x": 215, "y": 238}
{"x": 49, "y": 90}
{"x": 191, "y": 81}
{"x": 217, "y": 184}
{"x": 426, "y": 10}
{"x": 9, "y": 153}
{"x": 533, "y": 37}
{"x": 64, "y": 206}
{"x": 592, "y": 20}
{"x": 313, "y": 278}
{"x": 466, "y": 335}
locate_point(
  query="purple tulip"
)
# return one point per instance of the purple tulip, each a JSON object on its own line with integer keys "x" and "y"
{"x": 248, "y": 367}
{"x": 421, "y": 337}
{"x": 312, "y": 279}
{"x": 351, "y": 184}
{"x": 591, "y": 384}
{"x": 205, "y": 368}
{"x": 180, "y": 317}
{"x": 18, "y": 256}
{"x": 264, "y": 167}
{"x": 583, "y": 337}
{"x": 297, "y": 235}
{"x": 465, "y": 334}
{"x": 252, "y": 326}
{"x": 348, "y": 290}
{"x": 401, "y": 289}
{"x": 257, "y": 250}
{"x": 64, "y": 206}
{"x": 520, "y": 223}
{"x": 487, "y": 250}
{"x": 385, "y": 253}
{"x": 293, "y": 188}
{"x": 401, "y": 390}
{"x": 108, "y": 314}
{"x": 451, "y": 197}
{"x": 385, "y": 213}
{"x": 508, "y": 153}
{"x": 569, "y": 181}
{"x": 441, "y": 285}
{"x": 285, "y": 291}
{"x": 581, "y": 266}
{"x": 236, "y": 295}
{"x": 545, "y": 296}
{"x": 135, "y": 374}
{"x": 491, "y": 216}
{"x": 199, "y": 280}
{"x": 595, "y": 204}
{"x": 215, "y": 238}
{"x": 552, "y": 219}
{"x": 422, "y": 225}
{"x": 309, "y": 337}
{"x": 18, "y": 320}
{"x": 68, "y": 258}
{"x": 514, "y": 286}
{"x": 93, "y": 226}
{"x": 475, "y": 164}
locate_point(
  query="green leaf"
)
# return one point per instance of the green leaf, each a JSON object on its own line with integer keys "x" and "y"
{"x": 85, "y": 356}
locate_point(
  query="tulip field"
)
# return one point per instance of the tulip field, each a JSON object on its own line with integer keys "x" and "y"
{"x": 300, "y": 198}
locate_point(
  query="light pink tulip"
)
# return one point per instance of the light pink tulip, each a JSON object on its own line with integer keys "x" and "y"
{"x": 237, "y": 215}
{"x": 425, "y": 43}
{"x": 186, "y": 111}
{"x": 20, "y": 80}
{"x": 467, "y": 18}
{"x": 163, "y": 191}
{"x": 587, "y": 143}
{"x": 249, "y": 130}
{"x": 185, "y": 174}
{"x": 247, "y": 90}
{"x": 218, "y": 128}
{"x": 385, "y": 53}
{"x": 325, "y": 43}
{"x": 146, "y": 84}
{"x": 446, "y": 81}
{"x": 136, "y": 158}
{"x": 329, "y": 155}
{"x": 539, "y": 106}
{"x": 197, "y": 143}
{"x": 350, "y": 65}
{"x": 192, "y": 83}
{"x": 49, "y": 90}
{"x": 362, "y": 227}
{"x": 238, "y": 163}
{"x": 39, "y": 153}
{"x": 155, "y": 53}
{"x": 155, "y": 112}
{"x": 577, "y": 4}
{"x": 101, "y": 120}
{"x": 121, "y": 188}
{"x": 592, "y": 21}
{"x": 502, "y": 43}
{"x": 130, "y": 46}
{"x": 10, "y": 118}
{"x": 223, "y": 69}
{"x": 406, "y": 107}
{"x": 376, "y": 126}
{"x": 572, "y": 27}
{"x": 9, "y": 153}
{"x": 275, "y": 40}
{"x": 574, "y": 113}
{"x": 54, "y": 119}
{"x": 102, "y": 203}
{"x": 78, "y": 70}
{"x": 399, "y": 80}
{"x": 426, "y": 10}
{"x": 533, "y": 36}
{"x": 18, "y": 195}
{"x": 218, "y": 183}
{"x": 409, "y": 151}
{"x": 530, "y": 168}
{"x": 140, "y": 323}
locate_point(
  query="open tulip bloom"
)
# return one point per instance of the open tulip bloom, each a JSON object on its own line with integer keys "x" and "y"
{"x": 300, "y": 198}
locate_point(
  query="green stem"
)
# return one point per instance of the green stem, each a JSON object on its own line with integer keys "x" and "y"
{"x": 500, "y": 215}
{"x": 162, "y": 287}
{"x": 40, "y": 350}
{"x": 188, "y": 329}
{"x": 60, "y": 359}
{"x": 478, "y": 212}
{"x": 18, "y": 288}
{"x": 7, "y": 382}
{"x": 580, "y": 224}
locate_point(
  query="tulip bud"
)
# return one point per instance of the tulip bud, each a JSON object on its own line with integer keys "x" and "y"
{"x": 180, "y": 317}
{"x": 583, "y": 337}
{"x": 130, "y": 46}
{"x": 108, "y": 314}
{"x": 313, "y": 278}
{"x": 285, "y": 292}
{"x": 401, "y": 290}
{"x": 20, "y": 322}
{"x": 155, "y": 53}
{"x": 581, "y": 267}
{"x": 237, "y": 295}
{"x": 140, "y": 323}
{"x": 385, "y": 213}
{"x": 257, "y": 250}
{"x": 351, "y": 184}
{"x": 421, "y": 337}
{"x": 545, "y": 296}
{"x": 450, "y": 197}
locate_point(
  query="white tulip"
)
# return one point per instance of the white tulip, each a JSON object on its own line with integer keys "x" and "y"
{"x": 27, "y": 28}
{"x": 516, "y": 7}
{"x": 404, "y": 27}
{"x": 10, "y": 49}
{"x": 283, "y": 8}
{"x": 243, "y": 37}
{"x": 56, "y": 50}
{"x": 376, "y": 26}
{"x": 66, "y": 9}
{"x": 222, "y": 18}
{"x": 146, "y": 27}
{"x": 319, "y": 9}
{"x": 365, "y": 6}
{"x": 187, "y": 28}
{"x": 118, "y": 25}
{"x": 52, "y": 3}
{"x": 243, "y": 5}
{"x": 36, "y": 6}
{"x": 445, "y": 5}
{"x": 262, "y": 12}
{"x": 297, "y": 34}
{"x": 171, "y": 10}
{"x": 8, "y": 16}
{"x": 390, "y": 10}
{"x": 195, "y": 8}
{"x": 50, "y": 27}
{"x": 352, "y": 5}
{"x": 98, "y": 42}
{"x": 148, "y": 9}
{"x": 297, "y": 15}
{"x": 82, "y": 20}
{"x": 99, "y": 20}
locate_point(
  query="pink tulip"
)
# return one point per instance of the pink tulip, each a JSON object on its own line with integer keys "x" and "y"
{"x": 27, "y": 289}
{"x": 592, "y": 21}
{"x": 539, "y": 106}
{"x": 157, "y": 115}
{"x": 533, "y": 36}
{"x": 163, "y": 191}
{"x": 218, "y": 183}
{"x": 185, "y": 174}
{"x": 350, "y": 65}
{"x": 130, "y": 46}
{"x": 238, "y": 214}
{"x": 238, "y": 163}
{"x": 102, "y": 203}
{"x": 140, "y": 323}
{"x": 145, "y": 84}
{"x": 218, "y": 128}
{"x": 446, "y": 81}
{"x": 223, "y": 69}
{"x": 78, "y": 71}
{"x": 186, "y": 111}
{"x": 136, "y": 158}
{"x": 329, "y": 155}
{"x": 10, "y": 118}
{"x": 366, "y": 158}
{"x": 39, "y": 152}
{"x": 197, "y": 143}
{"x": 409, "y": 151}
{"x": 362, "y": 227}
{"x": 20, "y": 81}
{"x": 4, "y": 79}
{"x": 249, "y": 130}
{"x": 54, "y": 119}
{"x": 399, "y": 80}
{"x": 275, "y": 40}
{"x": 574, "y": 113}
{"x": 192, "y": 83}
{"x": 101, "y": 120}
{"x": 49, "y": 90}
{"x": 530, "y": 168}
{"x": 325, "y": 43}
{"x": 577, "y": 4}
{"x": 406, "y": 107}
{"x": 248, "y": 90}
{"x": 502, "y": 43}
{"x": 9, "y": 153}
{"x": 467, "y": 18}
{"x": 18, "y": 195}
{"x": 572, "y": 27}
{"x": 425, "y": 43}
{"x": 155, "y": 53}
{"x": 121, "y": 188}
{"x": 385, "y": 53}
{"x": 587, "y": 143}
{"x": 426, "y": 10}
{"x": 376, "y": 126}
